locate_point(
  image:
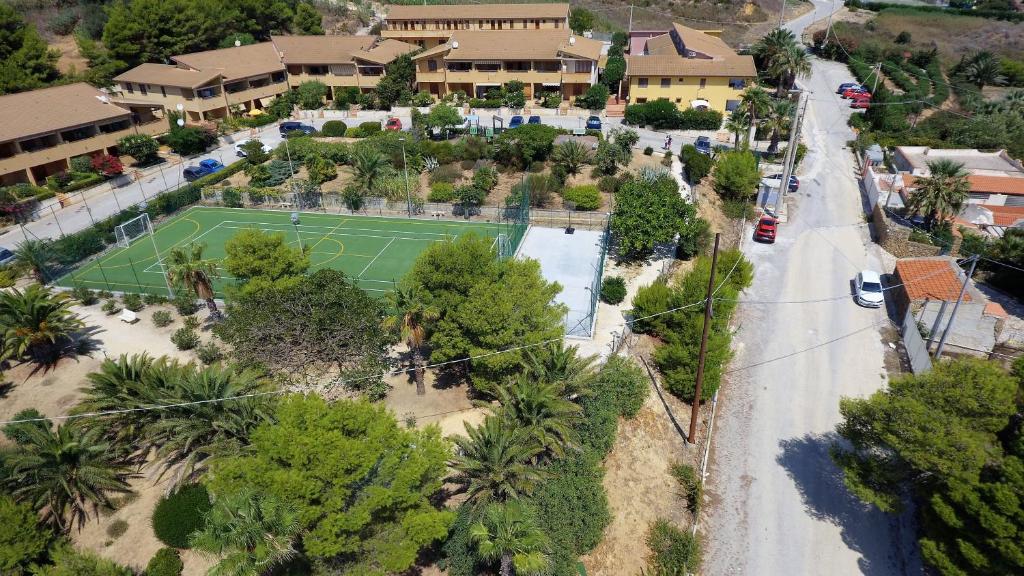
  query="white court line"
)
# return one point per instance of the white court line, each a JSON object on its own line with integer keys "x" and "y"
{"x": 160, "y": 259}
{"x": 392, "y": 232}
{"x": 328, "y": 234}
{"x": 375, "y": 258}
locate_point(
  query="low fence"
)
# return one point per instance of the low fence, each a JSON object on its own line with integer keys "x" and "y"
{"x": 581, "y": 323}
{"x": 914, "y": 344}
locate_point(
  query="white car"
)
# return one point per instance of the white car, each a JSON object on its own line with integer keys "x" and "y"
{"x": 868, "y": 287}
{"x": 240, "y": 152}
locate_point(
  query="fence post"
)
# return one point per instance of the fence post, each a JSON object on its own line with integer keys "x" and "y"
{"x": 57, "y": 220}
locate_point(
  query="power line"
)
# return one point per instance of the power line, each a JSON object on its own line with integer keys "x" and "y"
{"x": 808, "y": 349}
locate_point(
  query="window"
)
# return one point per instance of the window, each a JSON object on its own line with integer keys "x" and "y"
{"x": 703, "y": 82}
{"x": 731, "y": 105}
{"x": 432, "y": 65}
{"x": 679, "y": 100}
{"x": 142, "y": 89}
{"x": 536, "y": 24}
{"x": 666, "y": 82}
{"x": 129, "y": 88}
{"x": 163, "y": 92}
{"x": 737, "y": 83}
{"x": 642, "y": 82}
{"x": 277, "y": 77}
{"x": 488, "y": 66}
{"x": 641, "y": 100}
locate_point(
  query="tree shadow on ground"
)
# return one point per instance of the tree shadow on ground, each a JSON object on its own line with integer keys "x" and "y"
{"x": 82, "y": 343}
{"x": 887, "y": 544}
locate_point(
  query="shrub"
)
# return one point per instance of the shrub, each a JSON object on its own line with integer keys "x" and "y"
{"x": 467, "y": 164}
{"x": 594, "y": 98}
{"x": 166, "y": 562}
{"x": 691, "y": 484}
{"x": 736, "y": 175}
{"x": 177, "y": 516}
{"x": 190, "y": 140}
{"x": 541, "y": 189}
{"x": 78, "y": 246}
{"x": 209, "y": 353}
{"x": 694, "y": 119}
{"x": 648, "y": 151}
{"x": 132, "y": 302}
{"x": 185, "y": 339}
{"x": 84, "y": 295}
{"x": 608, "y": 184}
{"x": 63, "y": 22}
{"x": 81, "y": 163}
{"x": 524, "y": 145}
{"x": 694, "y": 236}
{"x": 111, "y": 307}
{"x": 333, "y": 128}
{"x": 738, "y": 209}
{"x": 231, "y": 197}
{"x": 192, "y": 323}
{"x": 536, "y": 167}
{"x": 572, "y": 508}
{"x": 185, "y": 303}
{"x": 117, "y": 528}
{"x": 586, "y": 197}
{"x": 613, "y": 290}
{"x": 441, "y": 192}
{"x": 154, "y": 299}
{"x": 104, "y": 294}
{"x": 485, "y": 178}
{"x": 673, "y": 551}
{"x": 369, "y": 128}
{"x": 448, "y": 174}
{"x": 162, "y": 318}
{"x": 697, "y": 165}
{"x": 311, "y": 95}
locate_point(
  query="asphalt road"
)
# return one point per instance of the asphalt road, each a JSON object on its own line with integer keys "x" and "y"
{"x": 779, "y": 506}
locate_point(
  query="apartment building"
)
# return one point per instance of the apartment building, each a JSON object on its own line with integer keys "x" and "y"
{"x": 338, "y": 61}
{"x": 210, "y": 84}
{"x": 430, "y": 26}
{"x": 691, "y": 68}
{"x": 41, "y": 130}
{"x": 477, "y": 61}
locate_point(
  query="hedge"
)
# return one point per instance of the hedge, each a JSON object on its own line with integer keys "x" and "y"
{"x": 585, "y": 197}
{"x": 662, "y": 113}
{"x": 166, "y": 562}
{"x": 179, "y": 515}
{"x": 333, "y": 128}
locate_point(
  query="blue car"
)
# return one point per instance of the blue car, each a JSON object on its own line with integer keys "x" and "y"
{"x": 515, "y": 122}
{"x": 205, "y": 168}
{"x": 593, "y": 123}
{"x": 287, "y": 127}
{"x": 533, "y": 120}
{"x": 703, "y": 145}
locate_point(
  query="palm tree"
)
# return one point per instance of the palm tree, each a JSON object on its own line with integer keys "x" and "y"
{"x": 188, "y": 437}
{"x": 507, "y": 533}
{"x": 983, "y": 70}
{"x": 561, "y": 365}
{"x": 755, "y": 102}
{"x": 187, "y": 268}
{"x": 493, "y": 462}
{"x": 252, "y": 534}
{"x": 37, "y": 322}
{"x": 369, "y": 166}
{"x": 540, "y": 411}
{"x": 778, "y": 119}
{"x": 572, "y": 155}
{"x": 776, "y": 55}
{"x": 124, "y": 384}
{"x": 942, "y": 193}
{"x": 738, "y": 123}
{"x": 411, "y": 315}
{"x": 65, "y": 474}
{"x": 37, "y": 255}
{"x": 793, "y": 63}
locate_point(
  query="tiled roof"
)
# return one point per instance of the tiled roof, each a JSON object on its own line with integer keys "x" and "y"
{"x": 981, "y": 184}
{"x": 235, "y": 62}
{"x": 1005, "y": 215}
{"x": 165, "y": 75}
{"x": 320, "y": 49}
{"x": 385, "y": 51}
{"x": 703, "y": 42}
{"x": 515, "y": 45}
{"x": 931, "y": 278}
{"x": 478, "y": 11}
{"x": 50, "y": 109}
{"x": 733, "y": 67}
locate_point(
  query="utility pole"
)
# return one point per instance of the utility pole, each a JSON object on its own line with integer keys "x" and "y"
{"x": 936, "y": 325}
{"x": 878, "y": 72}
{"x": 782, "y": 13}
{"x": 952, "y": 315}
{"x": 630, "y": 28}
{"x": 794, "y": 142}
{"x": 695, "y": 413}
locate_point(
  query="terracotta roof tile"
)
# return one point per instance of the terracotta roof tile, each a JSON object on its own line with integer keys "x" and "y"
{"x": 664, "y": 58}
{"x": 385, "y": 51}
{"x": 235, "y": 62}
{"x": 995, "y": 309}
{"x": 934, "y": 279}
{"x": 515, "y": 44}
{"x": 478, "y": 11}
{"x": 981, "y": 184}
{"x": 50, "y": 109}
{"x": 320, "y": 49}
{"x": 165, "y": 75}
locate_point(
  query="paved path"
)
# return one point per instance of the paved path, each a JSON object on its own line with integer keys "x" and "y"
{"x": 779, "y": 506}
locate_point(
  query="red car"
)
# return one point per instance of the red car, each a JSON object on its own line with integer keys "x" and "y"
{"x": 765, "y": 230}
{"x": 860, "y": 102}
{"x": 856, "y": 93}
{"x": 393, "y": 124}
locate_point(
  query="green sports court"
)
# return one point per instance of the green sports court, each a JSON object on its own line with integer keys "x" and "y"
{"x": 374, "y": 251}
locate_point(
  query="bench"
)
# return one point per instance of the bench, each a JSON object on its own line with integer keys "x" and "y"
{"x": 128, "y": 316}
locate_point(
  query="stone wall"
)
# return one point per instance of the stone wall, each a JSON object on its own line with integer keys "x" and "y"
{"x": 895, "y": 237}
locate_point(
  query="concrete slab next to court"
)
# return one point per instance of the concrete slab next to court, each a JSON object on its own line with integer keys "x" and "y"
{"x": 572, "y": 261}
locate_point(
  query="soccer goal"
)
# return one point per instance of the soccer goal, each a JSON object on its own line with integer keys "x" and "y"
{"x": 132, "y": 229}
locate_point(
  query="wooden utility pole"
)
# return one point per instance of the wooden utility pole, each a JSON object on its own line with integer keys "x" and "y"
{"x": 695, "y": 413}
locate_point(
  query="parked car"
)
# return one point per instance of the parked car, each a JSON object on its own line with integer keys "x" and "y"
{"x": 393, "y": 124}
{"x": 765, "y": 230}
{"x": 794, "y": 182}
{"x": 205, "y": 168}
{"x": 515, "y": 122}
{"x": 6, "y": 256}
{"x": 868, "y": 289}
{"x": 593, "y": 123}
{"x": 851, "y": 92}
{"x": 848, "y": 85}
{"x": 703, "y": 145}
{"x": 860, "y": 101}
{"x": 533, "y": 120}
{"x": 241, "y": 152}
{"x": 287, "y": 127}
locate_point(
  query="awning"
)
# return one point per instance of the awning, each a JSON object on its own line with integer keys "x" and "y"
{"x": 700, "y": 104}
{"x": 488, "y": 84}
{"x": 551, "y": 85}
{"x": 266, "y": 101}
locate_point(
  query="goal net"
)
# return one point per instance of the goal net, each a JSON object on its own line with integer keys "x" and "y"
{"x": 132, "y": 229}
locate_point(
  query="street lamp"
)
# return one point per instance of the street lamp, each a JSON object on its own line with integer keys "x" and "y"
{"x": 295, "y": 223}
{"x": 405, "y": 168}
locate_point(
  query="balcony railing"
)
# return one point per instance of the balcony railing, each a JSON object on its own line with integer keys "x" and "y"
{"x": 66, "y": 150}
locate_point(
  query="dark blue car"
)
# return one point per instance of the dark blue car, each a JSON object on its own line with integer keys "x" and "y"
{"x": 287, "y": 127}
{"x": 205, "y": 168}
{"x": 593, "y": 123}
{"x": 703, "y": 145}
{"x": 533, "y": 120}
{"x": 515, "y": 122}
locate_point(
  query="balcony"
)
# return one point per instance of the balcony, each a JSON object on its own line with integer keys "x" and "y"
{"x": 576, "y": 78}
{"x": 503, "y": 76}
{"x": 65, "y": 150}
{"x": 329, "y": 79}
{"x": 269, "y": 90}
{"x": 430, "y": 76}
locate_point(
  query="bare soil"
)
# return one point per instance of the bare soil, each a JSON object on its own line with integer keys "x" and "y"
{"x": 70, "y": 58}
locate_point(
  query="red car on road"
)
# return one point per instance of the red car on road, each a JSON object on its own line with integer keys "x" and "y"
{"x": 393, "y": 124}
{"x": 856, "y": 93}
{"x": 860, "y": 101}
{"x": 765, "y": 230}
